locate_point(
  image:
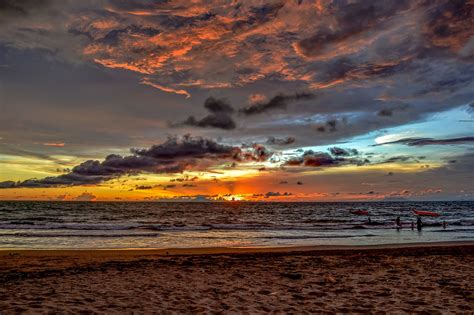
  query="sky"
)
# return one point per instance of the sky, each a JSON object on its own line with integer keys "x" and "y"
{"x": 252, "y": 100}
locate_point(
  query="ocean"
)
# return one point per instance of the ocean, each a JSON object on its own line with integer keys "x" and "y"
{"x": 112, "y": 225}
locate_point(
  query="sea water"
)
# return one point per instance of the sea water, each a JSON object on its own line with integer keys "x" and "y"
{"x": 91, "y": 225}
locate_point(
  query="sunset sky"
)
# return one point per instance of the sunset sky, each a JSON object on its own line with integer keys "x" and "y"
{"x": 184, "y": 100}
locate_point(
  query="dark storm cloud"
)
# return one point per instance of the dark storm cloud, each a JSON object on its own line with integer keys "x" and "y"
{"x": 143, "y": 187}
{"x": 449, "y": 25}
{"x": 276, "y": 194}
{"x": 185, "y": 178}
{"x": 7, "y": 184}
{"x": 336, "y": 151}
{"x": 219, "y": 117}
{"x": 361, "y": 58}
{"x": 218, "y": 106}
{"x": 429, "y": 141}
{"x": 310, "y": 158}
{"x": 167, "y": 186}
{"x": 280, "y": 141}
{"x": 277, "y": 102}
{"x": 338, "y": 157}
{"x": 330, "y": 126}
{"x": 70, "y": 179}
{"x": 257, "y": 153}
{"x": 220, "y": 121}
{"x": 188, "y": 146}
{"x": 345, "y": 69}
{"x": 173, "y": 156}
{"x": 352, "y": 18}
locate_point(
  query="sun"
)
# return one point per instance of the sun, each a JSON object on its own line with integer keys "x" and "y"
{"x": 234, "y": 198}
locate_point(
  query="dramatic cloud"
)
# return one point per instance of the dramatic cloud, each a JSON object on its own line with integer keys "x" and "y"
{"x": 350, "y": 19}
{"x": 336, "y": 151}
{"x": 358, "y": 57}
{"x": 219, "y": 117}
{"x": 280, "y": 141}
{"x": 216, "y": 106}
{"x": 278, "y": 102}
{"x": 185, "y": 178}
{"x": 188, "y": 147}
{"x": 327, "y": 73}
{"x": 277, "y": 194}
{"x": 450, "y": 26}
{"x": 322, "y": 159}
{"x": 173, "y": 156}
{"x": 428, "y": 141}
{"x": 143, "y": 187}
{"x": 7, "y": 184}
{"x": 256, "y": 153}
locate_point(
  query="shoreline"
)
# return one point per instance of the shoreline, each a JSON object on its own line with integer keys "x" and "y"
{"x": 176, "y": 251}
{"x": 32, "y": 260}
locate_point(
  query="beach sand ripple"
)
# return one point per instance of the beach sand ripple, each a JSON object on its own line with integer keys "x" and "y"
{"x": 420, "y": 279}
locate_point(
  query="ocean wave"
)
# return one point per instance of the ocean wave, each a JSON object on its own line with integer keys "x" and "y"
{"x": 219, "y": 227}
{"x": 17, "y": 226}
{"x": 54, "y": 235}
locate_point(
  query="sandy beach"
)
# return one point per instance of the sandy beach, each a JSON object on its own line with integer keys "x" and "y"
{"x": 420, "y": 278}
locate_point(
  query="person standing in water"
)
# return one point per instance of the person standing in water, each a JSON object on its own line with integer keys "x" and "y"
{"x": 397, "y": 222}
{"x": 419, "y": 224}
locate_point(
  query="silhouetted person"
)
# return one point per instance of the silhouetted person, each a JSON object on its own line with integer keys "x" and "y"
{"x": 445, "y": 224}
{"x": 370, "y": 222}
{"x": 397, "y": 221}
{"x": 412, "y": 225}
{"x": 419, "y": 224}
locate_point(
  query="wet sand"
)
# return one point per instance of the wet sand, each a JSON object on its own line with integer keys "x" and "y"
{"x": 420, "y": 278}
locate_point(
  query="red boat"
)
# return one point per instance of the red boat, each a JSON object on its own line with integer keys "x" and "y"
{"x": 360, "y": 212}
{"x": 426, "y": 213}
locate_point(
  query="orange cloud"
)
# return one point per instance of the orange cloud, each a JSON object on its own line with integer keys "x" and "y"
{"x": 111, "y": 63}
{"x": 54, "y": 144}
{"x": 165, "y": 88}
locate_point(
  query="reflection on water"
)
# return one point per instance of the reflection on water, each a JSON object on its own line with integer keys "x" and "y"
{"x": 159, "y": 225}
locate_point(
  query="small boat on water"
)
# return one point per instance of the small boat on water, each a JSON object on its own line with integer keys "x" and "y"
{"x": 426, "y": 213}
{"x": 360, "y": 212}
